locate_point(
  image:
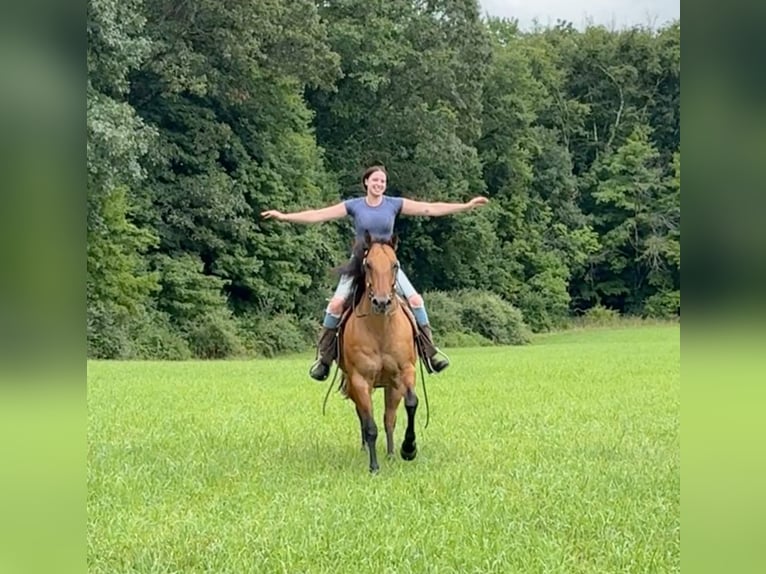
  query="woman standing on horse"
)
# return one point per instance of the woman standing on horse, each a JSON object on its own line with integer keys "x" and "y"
{"x": 376, "y": 213}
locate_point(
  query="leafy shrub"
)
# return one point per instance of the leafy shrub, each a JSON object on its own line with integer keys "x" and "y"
{"x": 153, "y": 337}
{"x": 107, "y": 336}
{"x": 544, "y": 301}
{"x": 444, "y": 313}
{"x": 456, "y": 339}
{"x": 145, "y": 333}
{"x": 493, "y": 318}
{"x": 600, "y": 316}
{"x": 214, "y": 336}
{"x": 663, "y": 305}
{"x": 282, "y": 333}
{"x": 309, "y": 328}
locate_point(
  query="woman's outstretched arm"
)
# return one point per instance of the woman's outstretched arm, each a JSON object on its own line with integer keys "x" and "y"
{"x": 438, "y": 209}
{"x": 309, "y": 215}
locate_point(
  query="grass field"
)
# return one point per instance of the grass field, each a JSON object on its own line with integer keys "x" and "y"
{"x": 562, "y": 456}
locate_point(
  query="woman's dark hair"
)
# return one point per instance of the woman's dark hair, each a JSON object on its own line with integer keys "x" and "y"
{"x": 369, "y": 171}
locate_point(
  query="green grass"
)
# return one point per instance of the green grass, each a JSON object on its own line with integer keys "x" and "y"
{"x": 562, "y": 456}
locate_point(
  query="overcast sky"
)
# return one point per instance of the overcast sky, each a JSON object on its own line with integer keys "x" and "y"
{"x": 620, "y": 13}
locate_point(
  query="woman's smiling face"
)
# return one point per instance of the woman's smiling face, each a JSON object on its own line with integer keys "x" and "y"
{"x": 376, "y": 183}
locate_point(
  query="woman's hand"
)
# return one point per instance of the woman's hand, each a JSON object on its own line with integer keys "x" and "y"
{"x": 273, "y": 214}
{"x": 477, "y": 201}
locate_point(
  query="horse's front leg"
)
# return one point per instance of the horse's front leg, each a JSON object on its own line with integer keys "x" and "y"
{"x": 409, "y": 448}
{"x": 361, "y": 426}
{"x": 393, "y": 397}
{"x": 361, "y": 395}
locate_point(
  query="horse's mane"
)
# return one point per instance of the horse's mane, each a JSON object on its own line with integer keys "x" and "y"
{"x": 354, "y": 268}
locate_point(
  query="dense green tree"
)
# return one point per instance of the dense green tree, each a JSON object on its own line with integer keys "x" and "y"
{"x": 615, "y": 83}
{"x": 224, "y": 88}
{"x": 410, "y": 98}
{"x": 201, "y": 114}
{"x": 118, "y": 286}
{"x": 542, "y": 234}
{"x": 638, "y": 224}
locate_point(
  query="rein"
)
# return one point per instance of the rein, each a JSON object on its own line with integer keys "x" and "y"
{"x": 329, "y": 388}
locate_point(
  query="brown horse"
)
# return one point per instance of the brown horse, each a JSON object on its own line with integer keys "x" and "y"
{"x": 377, "y": 346}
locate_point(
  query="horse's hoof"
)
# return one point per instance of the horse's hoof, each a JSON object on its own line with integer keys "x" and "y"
{"x": 374, "y": 470}
{"x": 409, "y": 455}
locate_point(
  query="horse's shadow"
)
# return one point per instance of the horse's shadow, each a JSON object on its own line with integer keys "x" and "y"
{"x": 332, "y": 455}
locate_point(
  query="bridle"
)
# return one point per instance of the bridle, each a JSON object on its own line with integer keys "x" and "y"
{"x": 368, "y": 285}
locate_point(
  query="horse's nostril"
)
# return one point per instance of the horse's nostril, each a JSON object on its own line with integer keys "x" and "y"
{"x": 381, "y": 302}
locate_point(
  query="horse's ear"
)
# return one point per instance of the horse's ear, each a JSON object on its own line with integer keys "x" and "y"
{"x": 394, "y": 241}
{"x": 367, "y": 239}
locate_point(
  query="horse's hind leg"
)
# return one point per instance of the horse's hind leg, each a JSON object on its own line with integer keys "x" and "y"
{"x": 393, "y": 397}
{"x": 361, "y": 395}
{"x": 409, "y": 448}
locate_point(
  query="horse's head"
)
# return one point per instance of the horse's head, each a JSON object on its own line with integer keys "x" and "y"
{"x": 380, "y": 267}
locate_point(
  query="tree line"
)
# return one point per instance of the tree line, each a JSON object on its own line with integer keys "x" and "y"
{"x": 203, "y": 113}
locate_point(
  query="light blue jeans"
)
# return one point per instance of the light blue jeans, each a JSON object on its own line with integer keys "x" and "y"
{"x": 403, "y": 286}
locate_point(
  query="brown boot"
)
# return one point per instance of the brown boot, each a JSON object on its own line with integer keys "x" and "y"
{"x": 433, "y": 362}
{"x": 327, "y": 350}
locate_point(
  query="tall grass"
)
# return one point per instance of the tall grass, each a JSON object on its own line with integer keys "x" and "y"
{"x": 562, "y": 456}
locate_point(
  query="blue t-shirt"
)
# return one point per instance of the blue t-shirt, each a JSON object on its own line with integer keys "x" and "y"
{"x": 378, "y": 220}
